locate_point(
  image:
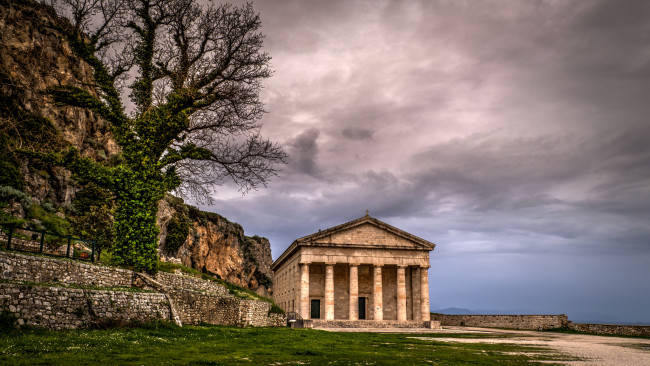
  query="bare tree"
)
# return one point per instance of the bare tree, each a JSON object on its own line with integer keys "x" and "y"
{"x": 196, "y": 73}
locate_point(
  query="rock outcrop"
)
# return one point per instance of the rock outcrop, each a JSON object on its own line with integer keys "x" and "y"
{"x": 35, "y": 55}
{"x": 218, "y": 246}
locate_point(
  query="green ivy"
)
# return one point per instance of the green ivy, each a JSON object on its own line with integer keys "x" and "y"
{"x": 178, "y": 229}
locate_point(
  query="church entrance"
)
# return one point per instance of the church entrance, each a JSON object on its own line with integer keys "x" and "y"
{"x": 315, "y": 309}
{"x": 362, "y": 308}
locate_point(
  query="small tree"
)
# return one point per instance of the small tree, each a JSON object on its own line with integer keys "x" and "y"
{"x": 196, "y": 73}
{"x": 92, "y": 216}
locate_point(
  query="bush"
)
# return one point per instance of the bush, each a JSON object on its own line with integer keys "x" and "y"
{"x": 178, "y": 229}
{"x": 275, "y": 309}
{"x": 50, "y": 221}
{"x": 8, "y": 322}
{"x": 8, "y": 193}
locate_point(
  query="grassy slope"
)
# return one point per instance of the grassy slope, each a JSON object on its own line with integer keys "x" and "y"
{"x": 212, "y": 345}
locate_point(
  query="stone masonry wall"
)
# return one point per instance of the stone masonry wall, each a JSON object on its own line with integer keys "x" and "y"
{"x": 197, "y": 307}
{"x": 66, "y": 308}
{"x": 528, "y": 322}
{"x": 28, "y": 268}
{"x": 182, "y": 281}
{"x": 196, "y": 301}
{"x": 630, "y": 330}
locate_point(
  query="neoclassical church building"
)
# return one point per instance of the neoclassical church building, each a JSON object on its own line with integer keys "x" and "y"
{"x": 362, "y": 270}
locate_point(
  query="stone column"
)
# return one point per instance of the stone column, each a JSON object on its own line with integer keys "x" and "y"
{"x": 329, "y": 291}
{"x": 401, "y": 293}
{"x": 304, "y": 290}
{"x": 415, "y": 293}
{"x": 354, "y": 292}
{"x": 377, "y": 295}
{"x": 424, "y": 294}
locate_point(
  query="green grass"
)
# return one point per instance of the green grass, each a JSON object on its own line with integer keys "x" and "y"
{"x": 212, "y": 345}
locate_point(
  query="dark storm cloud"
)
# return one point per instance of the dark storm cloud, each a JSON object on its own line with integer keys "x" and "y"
{"x": 303, "y": 150}
{"x": 513, "y": 134}
{"x": 357, "y": 133}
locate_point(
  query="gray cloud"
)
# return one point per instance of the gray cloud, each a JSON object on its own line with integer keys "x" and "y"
{"x": 353, "y": 133}
{"x": 303, "y": 150}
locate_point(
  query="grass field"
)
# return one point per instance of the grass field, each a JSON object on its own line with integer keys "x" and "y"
{"x": 213, "y": 345}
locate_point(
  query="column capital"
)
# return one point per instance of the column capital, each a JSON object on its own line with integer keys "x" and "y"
{"x": 304, "y": 263}
{"x": 353, "y": 264}
{"x": 402, "y": 266}
{"x": 330, "y": 263}
{"x": 425, "y": 267}
{"x": 378, "y": 265}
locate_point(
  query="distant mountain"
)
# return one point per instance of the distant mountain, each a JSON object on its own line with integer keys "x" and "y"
{"x": 454, "y": 311}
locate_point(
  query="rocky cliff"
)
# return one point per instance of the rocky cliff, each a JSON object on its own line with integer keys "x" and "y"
{"x": 35, "y": 55}
{"x": 214, "y": 245}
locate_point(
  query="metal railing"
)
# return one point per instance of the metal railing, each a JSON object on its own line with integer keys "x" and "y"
{"x": 17, "y": 239}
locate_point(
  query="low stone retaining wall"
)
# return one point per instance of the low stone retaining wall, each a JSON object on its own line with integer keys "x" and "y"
{"x": 29, "y": 268}
{"x": 319, "y": 323}
{"x": 182, "y": 281}
{"x": 195, "y": 300}
{"x": 196, "y": 307}
{"x": 630, "y": 330}
{"x": 66, "y": 308}
{"x": 524, "y": 322}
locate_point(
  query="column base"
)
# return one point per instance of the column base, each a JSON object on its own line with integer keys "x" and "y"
{"x": 387, "y": 324}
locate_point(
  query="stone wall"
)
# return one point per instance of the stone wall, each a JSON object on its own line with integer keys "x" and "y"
{"x": 630, "y": 330}
{"x": 187, "y": 282}
{"x": 29, "y": 268}
{"x": 195, "y": 300}
{"x": 196, "y": 307}
{"x": 68, "y": 308}
{"x": 529, "y": 322}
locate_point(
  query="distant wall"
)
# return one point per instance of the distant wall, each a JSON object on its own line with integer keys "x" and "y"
{"x": 528, "y": 322}
{"x": 630, "y": 330}
{"x": 67, "y": 308}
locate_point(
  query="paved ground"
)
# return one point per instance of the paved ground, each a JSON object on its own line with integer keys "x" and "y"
{"x": 591, "y": 349}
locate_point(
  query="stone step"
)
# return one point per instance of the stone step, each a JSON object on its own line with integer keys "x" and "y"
{"x": 319, "y": 323}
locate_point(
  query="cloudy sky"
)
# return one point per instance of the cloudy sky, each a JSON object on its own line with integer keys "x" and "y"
{"x": 513, "y": 134}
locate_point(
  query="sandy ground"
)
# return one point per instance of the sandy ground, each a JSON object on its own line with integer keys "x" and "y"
{"x": 591, "y": 349}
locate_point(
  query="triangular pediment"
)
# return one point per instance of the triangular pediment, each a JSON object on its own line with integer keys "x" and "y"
{"x": 367, "y": 231}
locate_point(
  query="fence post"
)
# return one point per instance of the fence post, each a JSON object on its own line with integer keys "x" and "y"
{"x": 40, "y": 250}
{"x": 11, "y": 233}
{"x": 67, "y": 253}
{"x": 92, "y": 253}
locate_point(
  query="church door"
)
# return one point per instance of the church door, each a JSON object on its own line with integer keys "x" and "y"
{"x": 362, "y": 308}
{"x": 315, "y": 309}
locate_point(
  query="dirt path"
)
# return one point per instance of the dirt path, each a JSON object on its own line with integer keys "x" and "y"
{"x": 591, "y": 349}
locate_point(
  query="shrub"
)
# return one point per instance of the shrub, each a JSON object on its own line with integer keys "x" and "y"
{"x": 178, "y": 229}
{"x": 7, "y": 193}
{"x": 50, "y": 221}
{"x": 275, "y": 309}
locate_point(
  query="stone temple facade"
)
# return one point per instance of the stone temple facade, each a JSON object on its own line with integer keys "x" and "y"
{"x": 364, "y": 269}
